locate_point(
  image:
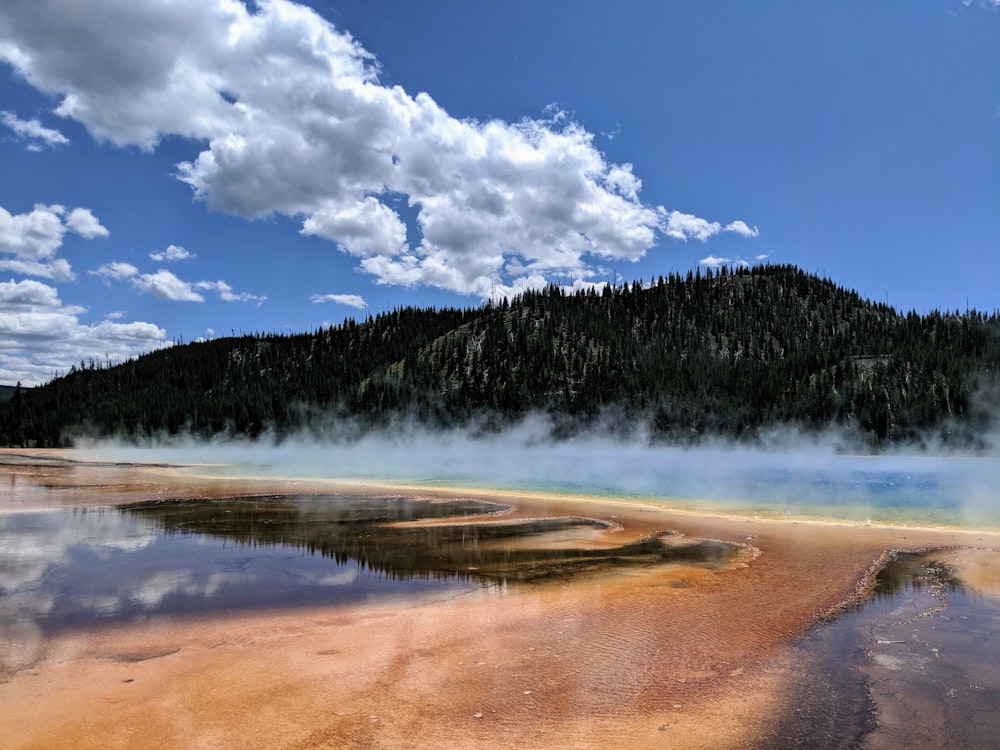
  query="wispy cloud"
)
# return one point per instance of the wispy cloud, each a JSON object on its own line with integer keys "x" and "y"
{"x": 350, "y": 300}
{"x": 226, "y": 293}
{"x": 713, "y": 261}
{"x": 38, "y": 135}
{"x": 166, "y": 285}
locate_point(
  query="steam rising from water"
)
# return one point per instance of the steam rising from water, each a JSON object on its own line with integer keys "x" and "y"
{"x": 791, "y": 476}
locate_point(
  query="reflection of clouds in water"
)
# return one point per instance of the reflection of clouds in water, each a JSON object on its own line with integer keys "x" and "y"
{"x": 35, "y": 547}
{"x": 32, "y": 544}
{"x": 102, "y": 605}
{"x": 343, "y": 578}
{"x": 25, "y": 602}
{"x": 131, "y": 544}
{"x": 76, "y": 566}
{"x": 26, "y": 553}
{"x": 20, "y": 643}
{"x": 151, "y": 590}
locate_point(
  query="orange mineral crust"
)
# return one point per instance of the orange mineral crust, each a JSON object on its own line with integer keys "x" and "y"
{"x": 671, "y": 655}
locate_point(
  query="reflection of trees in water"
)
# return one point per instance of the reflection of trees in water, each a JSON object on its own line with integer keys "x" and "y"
{"x": 361, "y": 530}
{"x": 914, "y": 571}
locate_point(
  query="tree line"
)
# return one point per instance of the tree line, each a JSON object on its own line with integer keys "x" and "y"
{"x": 731, "y": 353}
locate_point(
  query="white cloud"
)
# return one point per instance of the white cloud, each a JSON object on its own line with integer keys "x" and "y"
{"x": 57, "y": 270}
{"x": 350, "y": 300}
{"x": 741, "y": 228}
{"x": 126, "y": 81}
{"x": 366, "y": 228}
{"x": 226, "y": 293}
{"x": 37, "y": 135}
{"x": 166, "y": 286}
{"x": 294, "y": 121}
{"x": 621, "y": 180}
{"x": 714, "y": 262}
{"x": 85, "y": 224}
{"x": 23, "y": 296}
{"x": 116, "y": 270}
{"x": 685, "y": 226}
{"x": 35, "y": 237}
{"x": 172, "y": 253}
{"x": 169, "y": 287}
{"x": 40, "y": 336}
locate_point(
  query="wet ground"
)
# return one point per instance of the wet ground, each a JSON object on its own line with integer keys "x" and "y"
{"x": 86, "y": 567}
{"x": 916, "y": 665}
{"x": 595, "y": 643}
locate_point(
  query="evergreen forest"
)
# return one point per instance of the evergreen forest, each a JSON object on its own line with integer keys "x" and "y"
{"x": 731, "y": 353}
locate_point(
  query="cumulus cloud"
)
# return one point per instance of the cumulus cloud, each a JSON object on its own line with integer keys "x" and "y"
{"x": 116, "y": 270}
{"x": 58, "y": 269}
{"x": 350, "y": 300}
{"x": 163, "y": 284}
{"x": 366, "y": 228}
{"x": 37, "y": 135}
{"x": 713, "y": 261}
{"x": 741, "y": 228}
{"x": 226, "y": 293}
{"x": 292, "y": 119}
{"x": 37, "y": 234}
{"x": 684, "y": 226}
{"x": 41, "y": 336}
{"x": 85, "y": 224}
{"x": 167, "y": 286}
{"x": 171, "y": 254}
{"x": 34, "y": 238}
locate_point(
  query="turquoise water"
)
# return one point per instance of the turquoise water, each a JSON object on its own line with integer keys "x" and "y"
{"x": 921, "y": 490}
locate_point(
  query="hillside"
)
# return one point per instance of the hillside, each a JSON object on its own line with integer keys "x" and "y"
{"x": 730, "y": 353}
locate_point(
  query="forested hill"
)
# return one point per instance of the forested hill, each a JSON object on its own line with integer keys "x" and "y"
{"x": 730, "y": 353}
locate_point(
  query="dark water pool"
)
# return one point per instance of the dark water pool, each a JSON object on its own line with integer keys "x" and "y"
{"x": 85, "y": 567}
{"x": 915, "y": 666}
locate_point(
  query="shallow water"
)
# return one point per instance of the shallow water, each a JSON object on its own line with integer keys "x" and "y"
{"x": 84, "y": 567}
{"x": 916, "y": 665}
{"x": 801, "y": 482}
{"x": 868, "y": 682}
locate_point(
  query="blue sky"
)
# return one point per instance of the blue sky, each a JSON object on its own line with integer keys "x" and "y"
{"x": 171, "y": 171}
